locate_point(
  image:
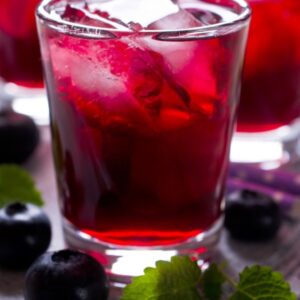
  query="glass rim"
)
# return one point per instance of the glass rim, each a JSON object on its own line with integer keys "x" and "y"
{"x": 90, "y": 31}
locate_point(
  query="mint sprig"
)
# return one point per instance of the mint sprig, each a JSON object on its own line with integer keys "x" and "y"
{"x": 182, "y": 279}
{"x": 16, "y": 185}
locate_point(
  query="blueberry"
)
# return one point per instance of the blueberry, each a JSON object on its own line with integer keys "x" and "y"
{"x": 25, "y": 234}
{"x": 19, "y": 137}
{"x": 66, "y": 275}
{"x": 252, "y": 216}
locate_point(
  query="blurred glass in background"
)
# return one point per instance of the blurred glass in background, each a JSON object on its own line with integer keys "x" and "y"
{"x": 20, "y": 64}
{"x": 268, "y": 120}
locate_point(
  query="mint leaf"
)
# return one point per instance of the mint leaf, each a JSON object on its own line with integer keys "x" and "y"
{"x": 175, "y": 280}
{"x": 212, "y": 282}
{"x": 17, "y": 185}
{"x": 262, "y": 283}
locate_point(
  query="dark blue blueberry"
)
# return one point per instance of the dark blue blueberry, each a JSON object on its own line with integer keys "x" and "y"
{"x": 25, "y": 234}
{"x": 19, "y": 137}
{"x": 66, "y": 275}
{"x": 252, "y": 216}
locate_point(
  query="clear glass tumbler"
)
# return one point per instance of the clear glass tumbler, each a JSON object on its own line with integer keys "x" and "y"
{"x": 143, "y": 102}
{"x": 268, "y": 124}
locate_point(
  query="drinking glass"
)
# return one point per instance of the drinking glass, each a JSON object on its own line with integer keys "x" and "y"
{"x": 268, "y": 118}
{"x": 21, "y": 78}
{"x": 142, "y": 103}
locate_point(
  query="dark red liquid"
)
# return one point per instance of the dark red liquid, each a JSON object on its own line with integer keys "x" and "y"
{"x": 271, "y": 82}
{"x": 141, "y": 131}
{"x": 20, "y": 61}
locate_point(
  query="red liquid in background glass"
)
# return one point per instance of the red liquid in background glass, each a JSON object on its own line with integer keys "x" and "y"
{"x": 20, "y": 61}
{"x": 271, "y": 83}
{"x": 141, "y": 131}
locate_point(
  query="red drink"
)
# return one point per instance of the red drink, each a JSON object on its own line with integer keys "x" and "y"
{"x": 271, "y": 82}
{"x": 19, "y": 48}
{"x": 142, "y": 121}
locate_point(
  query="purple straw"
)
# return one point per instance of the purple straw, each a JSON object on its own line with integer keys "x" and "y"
{"x": 280, "y": 180}
{"x": 288, "y": 203}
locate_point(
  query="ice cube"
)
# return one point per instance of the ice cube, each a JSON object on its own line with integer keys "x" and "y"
{"x": 188, "y": 64}
{"x": 64, "y": 52}
{"x": 88, "y": 65}
{"x": 107, "y": 80}
{"x": 179, "y": 20}
{"x": 143, "y": 12}
{"x": 89, "y": 76}
{"x": 176, "y": 54}
{"x": 108, "y": 91}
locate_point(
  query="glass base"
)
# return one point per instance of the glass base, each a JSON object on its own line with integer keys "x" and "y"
{"x": 122, "y": 262}
{"x": 270, "y": 149}
{"x": 27, "y": 101}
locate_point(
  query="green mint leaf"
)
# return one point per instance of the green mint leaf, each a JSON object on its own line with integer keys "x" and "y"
{"x": 261, "y": 283}
{"x": 181, "y": 279}
{"x": 16, "y": 185}
{"x": 175, "y": 280}
{"x": 212, "y": 281}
